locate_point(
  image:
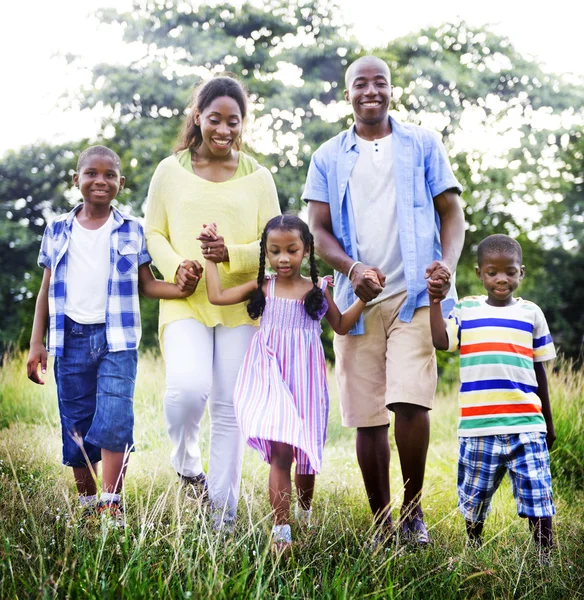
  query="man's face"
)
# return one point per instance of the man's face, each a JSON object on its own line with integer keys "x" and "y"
{"x": 369, "y": 91}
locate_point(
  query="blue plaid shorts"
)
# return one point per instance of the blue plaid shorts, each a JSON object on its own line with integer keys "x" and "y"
{"x": 483, "y": 462}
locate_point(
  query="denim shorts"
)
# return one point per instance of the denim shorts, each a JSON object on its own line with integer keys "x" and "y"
{"x": 483, "y": 462}
{"x": 95, "y": 388}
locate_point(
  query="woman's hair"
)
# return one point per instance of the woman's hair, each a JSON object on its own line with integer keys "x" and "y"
{"x": 314, "y": 300}
{"x": 226, "y": 85}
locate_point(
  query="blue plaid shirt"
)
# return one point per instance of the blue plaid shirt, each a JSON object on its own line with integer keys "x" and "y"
{"x": 422, "y": 171}
{"x": 127, "y": 253}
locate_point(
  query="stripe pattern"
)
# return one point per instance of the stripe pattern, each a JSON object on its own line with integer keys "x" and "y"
{"x": 498, "y": 348}
{"x": 281, "y": 393}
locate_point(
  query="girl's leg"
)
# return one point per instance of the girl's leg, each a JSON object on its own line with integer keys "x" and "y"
{"x": 86, "y": 479}
{"x": 304, "y": 490}
{"x": 188, "y": 352}
{"x": 280, "y": 482}
{"x": 226, "y": 443}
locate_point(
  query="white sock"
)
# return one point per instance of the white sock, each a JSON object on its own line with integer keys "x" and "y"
{"x": 109, "y": 498}
{"x": 87, "y": 500}
{"x": 302, "y": 516}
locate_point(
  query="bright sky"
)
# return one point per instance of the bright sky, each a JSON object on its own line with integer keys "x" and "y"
{"x": 32, "y": 32}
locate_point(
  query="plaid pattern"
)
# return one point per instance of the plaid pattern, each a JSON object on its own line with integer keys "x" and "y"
{"x": 483, "y": 462}
{"x": 127, "y": 253}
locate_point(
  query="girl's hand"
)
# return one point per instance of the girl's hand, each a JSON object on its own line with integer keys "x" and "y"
{"x": 187, "y": 276}
{"x": 366, "y": 288}
{"x": 37, "y": 356}
{"x": 213, "y": 245}
{"x": 371, "y": 275}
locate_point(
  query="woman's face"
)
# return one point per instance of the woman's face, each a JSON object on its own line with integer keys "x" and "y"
{"x": 220, "y": 124}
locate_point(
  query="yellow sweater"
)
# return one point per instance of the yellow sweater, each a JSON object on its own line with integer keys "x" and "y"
{"x": 179, "y": 203}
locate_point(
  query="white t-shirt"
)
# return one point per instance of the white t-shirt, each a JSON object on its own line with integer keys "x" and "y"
{"x": 373, "y": 197}
{"x": 88, "y": 269}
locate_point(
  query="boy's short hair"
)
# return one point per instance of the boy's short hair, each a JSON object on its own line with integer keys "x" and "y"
{"x": 499, "y": 243}
{"x": 100, "y": 151}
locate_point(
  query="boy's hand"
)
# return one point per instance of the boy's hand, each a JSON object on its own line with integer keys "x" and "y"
{"x": 550, "y": 436}
{"x": 36, "y": 356}
{"x": 188, "y": 275}
{"x": 438, "y": 276}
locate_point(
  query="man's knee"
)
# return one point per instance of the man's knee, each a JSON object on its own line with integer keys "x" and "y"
{"x": 411, "y": 413}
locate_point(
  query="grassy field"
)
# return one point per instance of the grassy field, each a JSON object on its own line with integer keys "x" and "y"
{"x": 169, "y": 550}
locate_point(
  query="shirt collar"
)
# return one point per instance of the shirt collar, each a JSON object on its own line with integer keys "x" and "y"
{"x": 118, "y": 216}
{"x": 350, "y": 140}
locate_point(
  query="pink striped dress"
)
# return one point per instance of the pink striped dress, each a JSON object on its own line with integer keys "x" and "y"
{"x": 281, "y": 392}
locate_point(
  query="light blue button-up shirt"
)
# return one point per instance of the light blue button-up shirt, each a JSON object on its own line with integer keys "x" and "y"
{"x": 422, "y": 171}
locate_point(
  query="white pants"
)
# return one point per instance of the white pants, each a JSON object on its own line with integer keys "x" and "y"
{"x": 202, "y": 363}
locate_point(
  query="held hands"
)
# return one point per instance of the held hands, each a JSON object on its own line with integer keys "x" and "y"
{"x": 36, "y": 356}
{"x": 212, "y": 244}
{"x": 438, "y": 276}
{"x": 187, "y": 277}
{"x": 366, "y": 286}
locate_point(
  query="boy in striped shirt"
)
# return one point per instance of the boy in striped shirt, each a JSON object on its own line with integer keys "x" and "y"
{"x": 505, "y": 420}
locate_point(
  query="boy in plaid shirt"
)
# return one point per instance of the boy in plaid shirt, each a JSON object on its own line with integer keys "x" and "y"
{"x": 95, "y": 262}
{"x": 505, "y": 420}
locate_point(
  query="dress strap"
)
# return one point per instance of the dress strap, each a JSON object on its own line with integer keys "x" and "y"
{"x": 271, "y": 286}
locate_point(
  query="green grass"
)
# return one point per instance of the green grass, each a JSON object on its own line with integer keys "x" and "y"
{"x": 169, "y": 550}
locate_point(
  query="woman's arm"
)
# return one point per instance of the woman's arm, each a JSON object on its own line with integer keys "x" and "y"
{"x": 217, "y": 295}
{"x": 38, "y": 352}
{"x": 150, "y": 287}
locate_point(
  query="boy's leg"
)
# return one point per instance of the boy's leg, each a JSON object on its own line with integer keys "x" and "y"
{"x": 529, "y": 470}
{"x": 114, "y": 465}
{"x": 541, "y": 528}
{"x": 86, "y": 479}
{"x": 76, "y": 379}
{"x": 113, "y": 424}
{"x": 481, "y": 468}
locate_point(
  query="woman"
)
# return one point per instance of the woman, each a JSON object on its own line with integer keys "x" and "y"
{"x": 207, "y": 179}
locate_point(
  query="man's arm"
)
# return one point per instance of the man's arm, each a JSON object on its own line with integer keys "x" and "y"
{"x": 447, "y": 205}
{"x": 330, "y": 250}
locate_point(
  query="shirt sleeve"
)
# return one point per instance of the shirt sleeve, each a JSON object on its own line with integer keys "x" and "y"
{"x": 453, "y": 329}
{"x": 316, "y": 187}
{"x": 160, "y": 249}
{"x": 244, "y": 258}
{"x": 143, "y": 256}
{"x": 543, "y": 346}
{"x": 46, "y": 251}
{"x": 438, "y": 170}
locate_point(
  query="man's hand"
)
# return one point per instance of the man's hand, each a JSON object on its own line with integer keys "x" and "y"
{"x": 438, "y": 276}
{"x": 365, "y": 287}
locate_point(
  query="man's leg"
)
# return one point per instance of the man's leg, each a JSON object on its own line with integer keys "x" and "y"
{"x": 373, "y": 457}
{"x": 412, "y": 435}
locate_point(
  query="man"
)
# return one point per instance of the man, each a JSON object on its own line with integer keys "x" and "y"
{"x": 382, "y": 196}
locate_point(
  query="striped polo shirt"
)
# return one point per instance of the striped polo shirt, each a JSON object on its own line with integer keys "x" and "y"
{"x": 498, "y": 347}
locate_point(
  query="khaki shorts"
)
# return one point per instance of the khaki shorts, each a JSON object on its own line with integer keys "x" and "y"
{"x": 391, "y": 362}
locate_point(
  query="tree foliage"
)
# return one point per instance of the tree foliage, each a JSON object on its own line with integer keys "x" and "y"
{"x": 512, "y": 130}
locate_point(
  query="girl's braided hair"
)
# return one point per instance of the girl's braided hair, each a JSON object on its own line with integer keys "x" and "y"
{"x": 314, "y": 300}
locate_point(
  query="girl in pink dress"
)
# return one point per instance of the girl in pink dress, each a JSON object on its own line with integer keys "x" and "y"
{"x": 281, "y": 396}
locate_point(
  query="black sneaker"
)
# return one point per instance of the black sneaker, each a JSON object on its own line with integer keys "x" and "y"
{"x": 195, "y": 487}
{"x": 413, "y": 529}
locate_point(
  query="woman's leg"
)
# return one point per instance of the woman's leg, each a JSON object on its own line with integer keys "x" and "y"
{"x": 226, "y": 443}
{"x": 280, "y": 482}
{"x": 188, "y": 354}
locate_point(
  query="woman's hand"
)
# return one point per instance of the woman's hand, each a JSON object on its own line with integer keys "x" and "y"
{"x": 212, "y": 244}
{"x": 187, "y": 275}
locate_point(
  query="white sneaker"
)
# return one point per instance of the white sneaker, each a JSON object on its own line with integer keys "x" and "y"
{"x": 302, "y": 517}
